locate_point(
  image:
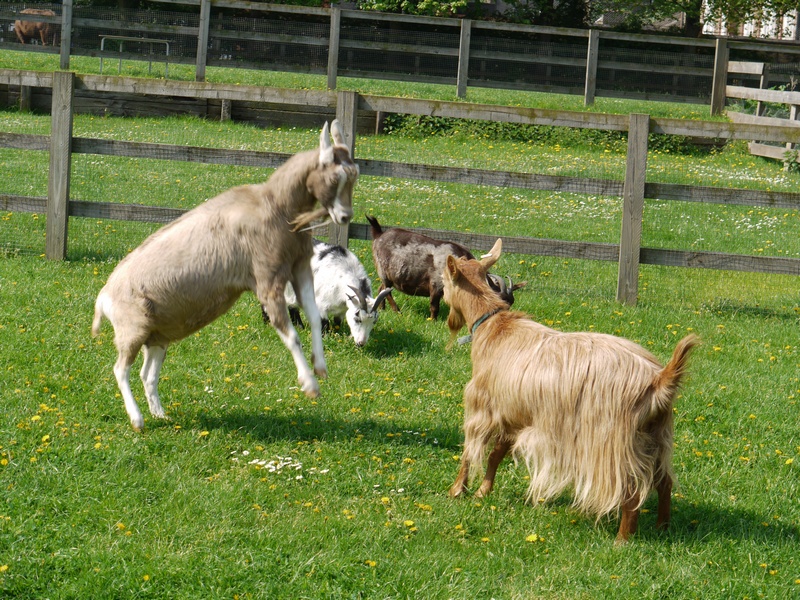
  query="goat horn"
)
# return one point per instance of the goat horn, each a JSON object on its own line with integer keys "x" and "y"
{"x": 496, "y": 281}
{"x": 303, "y": 220}
{"x": 381, "y": 296}
{"x": 361, "y": 300}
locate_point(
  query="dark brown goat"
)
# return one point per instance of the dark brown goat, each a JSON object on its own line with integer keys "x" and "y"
{"x": 413, "y": 263}
{"x": 36, "y": 30}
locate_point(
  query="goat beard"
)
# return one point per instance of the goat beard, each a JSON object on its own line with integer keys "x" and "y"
{"x": 455, "y": 321}
{"x": 305, "y": 219}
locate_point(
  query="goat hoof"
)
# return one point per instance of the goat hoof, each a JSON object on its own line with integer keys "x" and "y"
{"x": 456, "y": 491}
{"x": 482, "y": 493}
{"x": 622, "y": 540}
{"x": 321, "y": 373}
{"x": 311, "y": 389}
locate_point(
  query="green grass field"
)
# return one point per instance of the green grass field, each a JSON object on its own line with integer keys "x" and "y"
{"x": 251, "y": 490}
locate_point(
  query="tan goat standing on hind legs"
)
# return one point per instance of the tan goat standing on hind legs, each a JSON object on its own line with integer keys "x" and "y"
{"x": 252, "y": 237}
{"x": 586, "y": 410}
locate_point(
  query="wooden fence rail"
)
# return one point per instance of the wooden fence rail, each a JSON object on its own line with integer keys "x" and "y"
{"x": 633, "y": 190}
{"x": 598, "y": 62}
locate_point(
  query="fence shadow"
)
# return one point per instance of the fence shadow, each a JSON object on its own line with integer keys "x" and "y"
{"x": 753, "y": 310}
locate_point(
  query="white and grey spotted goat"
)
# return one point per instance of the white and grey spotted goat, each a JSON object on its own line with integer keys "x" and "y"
{"x": 342, "y": 288}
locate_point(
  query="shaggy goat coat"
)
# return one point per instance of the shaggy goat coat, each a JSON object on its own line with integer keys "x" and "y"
{"x": 586, "y": 410}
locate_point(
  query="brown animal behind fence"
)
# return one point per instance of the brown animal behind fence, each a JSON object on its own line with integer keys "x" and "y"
{"x": 28, "y": 31}
{"x": 584, "y": 410}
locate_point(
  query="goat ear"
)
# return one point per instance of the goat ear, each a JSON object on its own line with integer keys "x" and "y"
{"x": 488, "y": 260}
{"x": 337, "y": 133}
{"x": 325, "y": 147}
{"x": 452, "y": 268}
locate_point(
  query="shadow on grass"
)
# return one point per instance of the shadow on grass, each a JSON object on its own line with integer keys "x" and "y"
{"x": 309, "y": 427}
{"x": 700, "y": 523}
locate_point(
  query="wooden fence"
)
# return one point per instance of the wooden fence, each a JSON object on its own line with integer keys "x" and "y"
{"x": 633, "y": 190}
{"x": 464, "y": 52}
{"x": 786, "y": 153}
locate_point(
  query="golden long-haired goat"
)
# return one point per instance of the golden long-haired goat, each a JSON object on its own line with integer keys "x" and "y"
{"x": 588, "y": 411}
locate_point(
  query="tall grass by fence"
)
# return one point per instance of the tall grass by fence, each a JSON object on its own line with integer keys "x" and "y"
{"x": 460, "y": 52}
{"x": 629, "y": 253}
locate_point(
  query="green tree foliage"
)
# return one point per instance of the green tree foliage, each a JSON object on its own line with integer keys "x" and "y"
{"x": 636, "y": 15}
{"x": 433, "y": 8}
{"x": 563, "y": 13}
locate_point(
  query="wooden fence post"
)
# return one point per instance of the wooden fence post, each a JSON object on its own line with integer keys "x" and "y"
{"x": 225, "y": 109}
{"x": 202, "y": 40}
{"x": 333, "y": 47}
{"x": 346, "y": 114}
{"x": 720, "y": 80}
{"x": 763, "y": 84}
{"x": 591, "y": 67}
{"x": 60, "y": 162}
{"x": 463, "y": 58}
{"x": 25, "y": 96}
{"x": 66, "y": 33}
{"x": 630, "y": 239}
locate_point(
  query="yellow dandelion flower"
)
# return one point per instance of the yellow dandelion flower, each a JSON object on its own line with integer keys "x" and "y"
{"x": 532, "y": 538}
{"x": 408, "y": 523}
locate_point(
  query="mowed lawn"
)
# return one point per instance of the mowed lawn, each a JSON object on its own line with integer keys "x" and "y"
{"x": 252, "y": 490}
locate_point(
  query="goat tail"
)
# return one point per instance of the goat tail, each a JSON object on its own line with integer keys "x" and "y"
{"x": 669, "y": 378}
{"x": 376, "y": 227}
{"x": 99, "y": 313}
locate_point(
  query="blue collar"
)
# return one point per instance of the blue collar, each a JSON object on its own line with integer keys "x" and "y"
{"x": 468, "y": 338}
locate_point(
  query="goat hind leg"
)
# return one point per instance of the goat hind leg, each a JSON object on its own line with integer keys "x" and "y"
{"x": 629, "y": 521}
{"x": 151, "y": 370}
{"x": 122, "y": 372}
{"x": 664, "y": 489}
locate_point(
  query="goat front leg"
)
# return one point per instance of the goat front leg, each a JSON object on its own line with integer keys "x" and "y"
{"x": 436, "y": 299}
{"x": 275, "y": 305}
{"x": 304, "y": 288}
{"x": 497, "y": 455}
{"x": 459, "y": 487}
{"x": 151, "y": 370}
{"x": 388, "y": 298}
